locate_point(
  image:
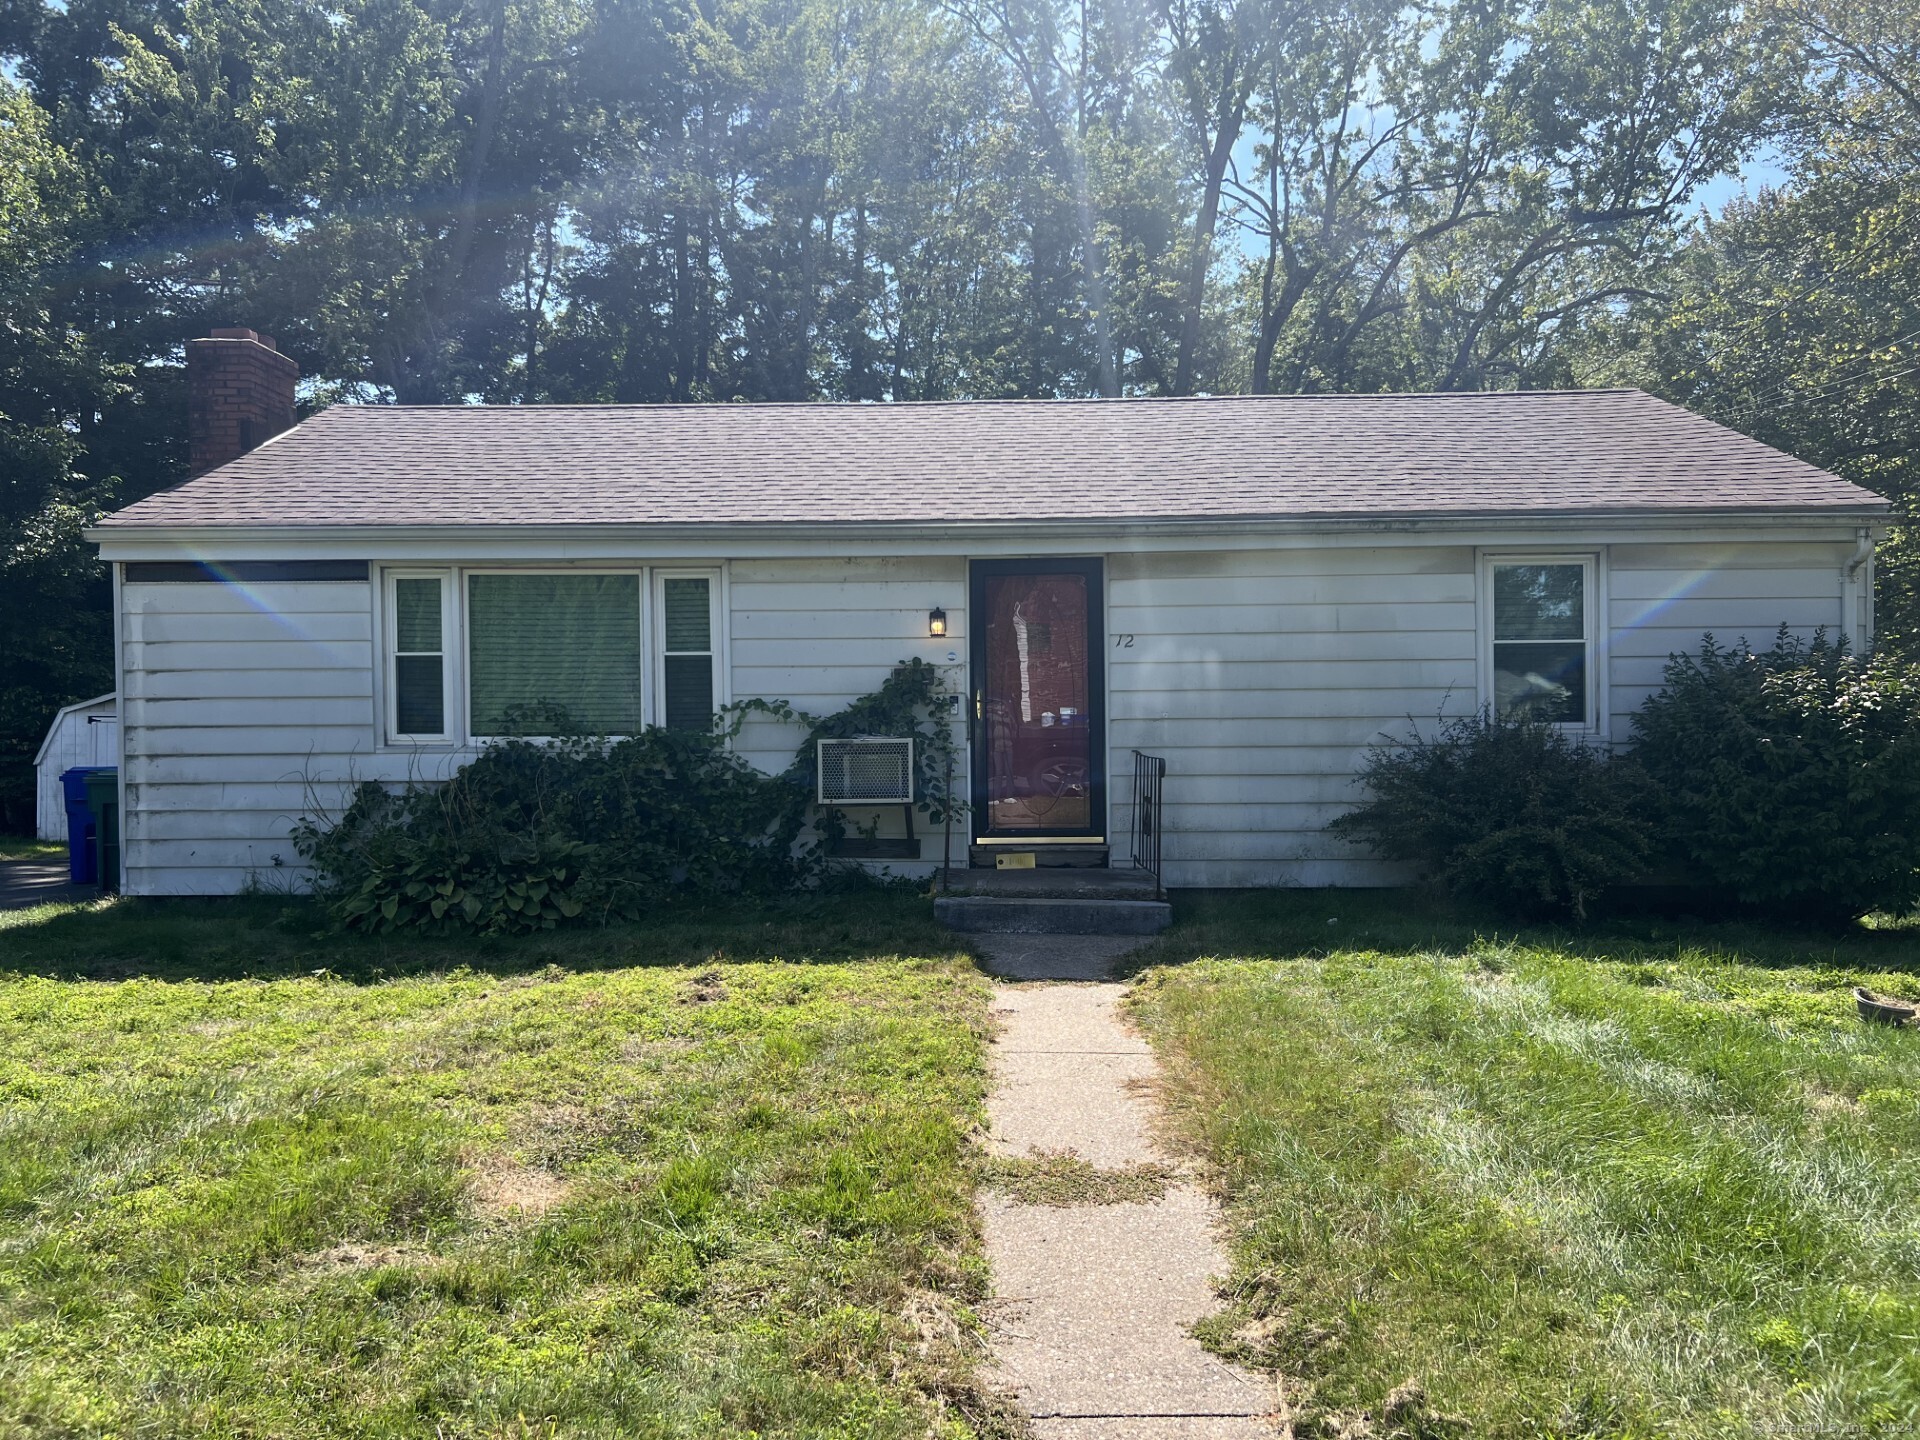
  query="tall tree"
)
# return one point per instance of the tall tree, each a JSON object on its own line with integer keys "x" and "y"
{"x": 1217, "y": 51}
{"x": 54, "y": 640}
{"x": 1439, "y": 192}
{"x": 1795, "y": 316}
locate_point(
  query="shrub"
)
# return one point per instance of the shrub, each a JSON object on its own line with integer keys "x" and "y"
{"x": 532, "y": 835}
{"x": 1790, "y": 777}
{"x": 1510, "y": 812}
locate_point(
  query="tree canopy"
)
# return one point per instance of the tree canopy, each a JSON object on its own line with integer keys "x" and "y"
{"x": 871, "y": 200}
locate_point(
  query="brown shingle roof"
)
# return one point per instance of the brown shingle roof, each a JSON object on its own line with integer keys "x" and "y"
{"x": 1527, "y": 453}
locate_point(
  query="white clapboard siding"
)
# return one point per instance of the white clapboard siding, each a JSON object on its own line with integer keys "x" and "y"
{"x": 1359, "y": 617}
{"x": 297, "y": 712}
{"x": 216, "y": 741}
{"x": 1261, "y": 676}
{"x": 161, "y": 656}
{"x": 1663, "y": 599}
{"x": 283, "y": 607}
{"x": 1209, "y": 591}
{"x": 822, "y": 633}
{"x": 1309, "y": 561}
{"x": 246, "y": 707}
{"x": 775, "y": 627}
{"x": 326, "y": 683}
{"x": 1223, "y": 677}
{"x": 1259, "y": 647}
{"x": 261, "y": 825}
{"x": 1373, "y": 707}
{"x": 1232, "y": 738}
{"x": 201, "y": 627}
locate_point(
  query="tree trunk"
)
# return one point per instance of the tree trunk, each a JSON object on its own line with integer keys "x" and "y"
{"x": 1273, "y": 320}
{"x": 1218, "y": 156}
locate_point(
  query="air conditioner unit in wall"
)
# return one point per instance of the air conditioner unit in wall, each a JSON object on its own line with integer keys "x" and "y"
{"x": 873, "y": 770}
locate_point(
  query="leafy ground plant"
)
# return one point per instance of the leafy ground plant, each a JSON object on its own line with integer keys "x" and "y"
{"x": 1645, "y": 1182}
{"x": 1790, "y": 776}
{"x": 1509, "y": 812}
{"x": 574, "y": 829}
{"x": 699, "y": 1178}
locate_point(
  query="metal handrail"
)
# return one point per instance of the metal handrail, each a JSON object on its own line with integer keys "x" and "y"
{"x": 1149, "y": 779}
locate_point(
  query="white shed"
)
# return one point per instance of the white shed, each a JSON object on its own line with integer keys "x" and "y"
{"x": 83, "y": 734}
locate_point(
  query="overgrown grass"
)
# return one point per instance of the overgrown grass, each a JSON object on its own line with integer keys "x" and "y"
{"x": 700, "y": 1177}
{"x": 25, "y": 847}
{"x": 1063, "y": 1178}
{"x": 1655, "y": 1181}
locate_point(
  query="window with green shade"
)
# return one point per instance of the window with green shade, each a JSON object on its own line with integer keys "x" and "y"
{"x": 418, "y": 677}
{"x": 686, "y": 625}
{"x": 1542, "y": 641}
{"x": 550, "y": 653}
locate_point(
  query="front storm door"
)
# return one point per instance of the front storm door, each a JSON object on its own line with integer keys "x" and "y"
{"x": 1039, "y": 771}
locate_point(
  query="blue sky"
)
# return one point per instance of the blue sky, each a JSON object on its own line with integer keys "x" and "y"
{"x": 1765, "y": 169}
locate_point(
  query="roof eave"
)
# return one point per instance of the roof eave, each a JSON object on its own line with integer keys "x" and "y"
{"x": 1160, "y": 526}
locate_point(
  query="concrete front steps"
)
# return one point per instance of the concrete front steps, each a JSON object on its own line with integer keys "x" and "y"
{"x": 1063, "y": 901}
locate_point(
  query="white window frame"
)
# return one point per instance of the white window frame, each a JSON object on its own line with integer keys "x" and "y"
{"x": 1593, "y": 609}
{"x": 456, "y": 629}
{"x": 717, "y": 611}
{"x": 450, "y": 638}
{"x": 466, "y": 572}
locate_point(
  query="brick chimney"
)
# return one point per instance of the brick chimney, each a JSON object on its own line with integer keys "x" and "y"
{"x": 239, "y": 393}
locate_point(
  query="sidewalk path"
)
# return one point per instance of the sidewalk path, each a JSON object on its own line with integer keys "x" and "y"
{"x": 1093, "y": 1302}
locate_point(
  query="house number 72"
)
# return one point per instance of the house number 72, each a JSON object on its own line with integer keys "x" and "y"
{"x": 1123, "y": 642}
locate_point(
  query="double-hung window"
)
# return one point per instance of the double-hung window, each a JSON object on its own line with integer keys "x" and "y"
{"x": 687, "y": 654}
{"x": 417, "y": 634}
{"x": 1539, "y": 651}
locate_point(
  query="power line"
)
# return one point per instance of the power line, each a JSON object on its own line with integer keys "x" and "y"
{"x": 1791, "y": 395}
{"x": 1873, "y": 372}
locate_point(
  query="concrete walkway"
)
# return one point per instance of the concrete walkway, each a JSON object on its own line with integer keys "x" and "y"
{"x": 1093, "y": 1302}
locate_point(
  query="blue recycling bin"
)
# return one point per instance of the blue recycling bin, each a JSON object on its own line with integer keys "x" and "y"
{"x": 83, "y": 826}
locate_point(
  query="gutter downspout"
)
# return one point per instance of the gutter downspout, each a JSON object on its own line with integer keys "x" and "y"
{"x": 1853, "y": 628}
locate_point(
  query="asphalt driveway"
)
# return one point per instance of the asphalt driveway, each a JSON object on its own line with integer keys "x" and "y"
{"x": 35, "y": 882}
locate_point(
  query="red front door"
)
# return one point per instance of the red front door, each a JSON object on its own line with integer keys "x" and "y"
{"x": 1039, "y": 762}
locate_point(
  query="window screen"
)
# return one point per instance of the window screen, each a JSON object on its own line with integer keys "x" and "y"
{"x": 550, "y": 652}
{"x": 1540, "y": 642}
{"x": 419, "y": 659}
{"x": 686, "y": 607}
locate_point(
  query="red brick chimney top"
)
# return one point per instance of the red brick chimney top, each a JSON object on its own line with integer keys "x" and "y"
{"x": 239, "y": 394}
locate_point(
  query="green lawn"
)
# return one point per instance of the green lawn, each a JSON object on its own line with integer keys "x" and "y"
{"x": 1655, "y": 1181}
{"x": 25, "y": 847}
{"x": 695, "y": 1178}
{"x": 710, "y": 1175}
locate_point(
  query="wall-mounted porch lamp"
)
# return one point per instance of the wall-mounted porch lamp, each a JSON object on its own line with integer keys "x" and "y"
{"x": 937, "y": 623}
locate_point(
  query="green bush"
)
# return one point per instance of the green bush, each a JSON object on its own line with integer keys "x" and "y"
{"x": 1509, "y": 812}
{"x": 532, "y": 835}
{"x": 536, "y": 834}
{"x": 1790, "y": 777}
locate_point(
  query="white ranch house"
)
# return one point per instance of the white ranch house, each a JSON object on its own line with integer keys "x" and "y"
{"x": 1252, "y": 588}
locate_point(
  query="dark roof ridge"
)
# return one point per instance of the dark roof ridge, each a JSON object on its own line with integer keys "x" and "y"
{"x": 1010, "y": 400}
